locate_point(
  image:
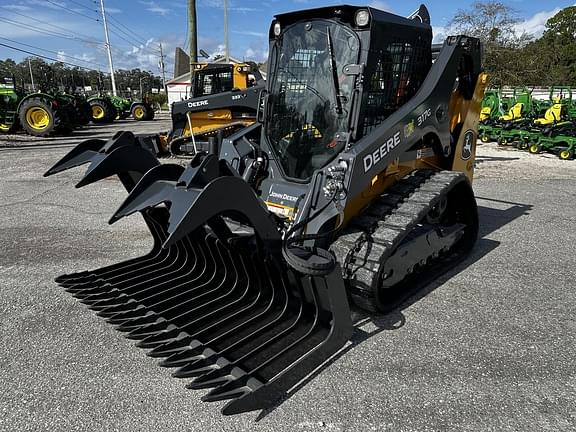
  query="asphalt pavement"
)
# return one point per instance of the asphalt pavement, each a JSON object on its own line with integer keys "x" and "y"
{"x": 491, "y": 346}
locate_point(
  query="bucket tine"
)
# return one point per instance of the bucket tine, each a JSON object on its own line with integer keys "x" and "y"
{"x": 180, "y": 344}
{"x": 331, "y": 330}
{"x": 153, "y": 220}
{"x": 181, "y": 262}
{"x": 248, "y": 332}
{"x": 223, "y": 308}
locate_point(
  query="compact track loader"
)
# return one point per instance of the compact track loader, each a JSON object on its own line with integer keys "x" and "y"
{"x": 354, "y": 185}
{"x": 224, "y": 99}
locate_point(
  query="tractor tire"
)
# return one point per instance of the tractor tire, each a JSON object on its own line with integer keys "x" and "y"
{"x": 84, "y": 113}
{"x": 38, "y": 118}
{"x": 113, "y": 112}
{"x": 535, "y": 148}
{"x": 523, "y": 145}
{"x": 566, "y": 154}
{"x": 484, "y": 138}
{"x": 502, "y": 141}
{"x": 140, "y": 112}
{"x": 100, "y": 111}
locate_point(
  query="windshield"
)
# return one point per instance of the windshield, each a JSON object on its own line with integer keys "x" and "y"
{"x": 310, "y": 95}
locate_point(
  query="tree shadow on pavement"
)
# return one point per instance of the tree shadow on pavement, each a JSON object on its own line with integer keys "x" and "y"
{"x": 483, "y": 159}
{"x": 491, "y": 219}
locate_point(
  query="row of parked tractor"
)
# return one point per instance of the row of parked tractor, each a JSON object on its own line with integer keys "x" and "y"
{"x": 531, "y": 124}
{"x": 44, "y": 114}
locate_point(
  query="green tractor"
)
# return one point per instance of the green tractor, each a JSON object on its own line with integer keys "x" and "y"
{"x": 102, "y": 109}
{"x": 106, "y": 109}
{"x": 139, "y": 110}
{"x": 491, "y": 105}
{"x": 38, "y": 114}
{"x": 80, "y": 108}
{"x": 560, "y": 141}
{"x": 502, "y": 124}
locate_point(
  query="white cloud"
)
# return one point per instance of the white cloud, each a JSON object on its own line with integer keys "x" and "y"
{"x": 256, "y": 55}
{"x": 249, "y": 33}
{"x": 15, "y": 7}
{"x": 113, "y": 11}
{"x": 58, "y": 5}
{"x": 439, "y": 34}
{"x": 155, "y": 8}
{"x": 536, "y": 24}
{"x": 379, "y": 4}
{"x": 231, "y": 6}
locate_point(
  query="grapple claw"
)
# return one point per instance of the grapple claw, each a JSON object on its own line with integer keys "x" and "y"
{"x": 223, "y": 307}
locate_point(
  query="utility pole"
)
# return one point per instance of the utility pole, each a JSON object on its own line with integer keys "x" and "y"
{"x": 226, "y": 50}
{"x": 162, "y": 69}
{"x": 108, "y": 47}
{"x": 192, "y": 35}
{"x": 31, "y": 76}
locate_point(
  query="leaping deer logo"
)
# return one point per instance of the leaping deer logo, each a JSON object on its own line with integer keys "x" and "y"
{"x": 468, "y": 143}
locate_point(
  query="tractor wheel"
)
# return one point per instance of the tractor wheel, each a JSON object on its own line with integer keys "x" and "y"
{"x": 502, "y": 141}
{"x": 151, "y": 113}
{"x": 37, "y": 117}
{"x": 8, "y": 127}
{"x": 523, "y": 145}
{"x": 535, "y": 148}
{"x": 566, "y": 154}
{"x": 140, "y": 112}
{"x": 100, "y": 110}
{"x": 484, "y": 138}
{"x": 84, "y": 113}
{"x": 113, "y": 112}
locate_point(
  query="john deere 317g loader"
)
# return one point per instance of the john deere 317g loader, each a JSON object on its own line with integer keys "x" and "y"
{"x": 353, "y": 186}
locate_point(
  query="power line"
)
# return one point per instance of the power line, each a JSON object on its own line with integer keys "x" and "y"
{"x": 46, "y": 57}
{"x": 139, "y": 37}
{"x": 83, "y": 5}
{"x": 132, "y": 44}
{"x": 72, "y": 11}
{"x": 137, "y": 43}
{"x": 27, "y": 26}
{"x": 53, "y": 52}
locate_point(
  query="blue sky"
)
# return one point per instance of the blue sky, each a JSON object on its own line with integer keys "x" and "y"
{"x": 69, "y": 30}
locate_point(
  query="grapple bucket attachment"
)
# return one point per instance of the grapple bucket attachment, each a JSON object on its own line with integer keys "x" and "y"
{"x": 123, "y": 155}
{"x": 222, "y": 307}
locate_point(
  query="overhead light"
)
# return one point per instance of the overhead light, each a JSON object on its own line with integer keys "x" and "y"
{"x": 362, "y": 18}
{"x": 277, "y": 29}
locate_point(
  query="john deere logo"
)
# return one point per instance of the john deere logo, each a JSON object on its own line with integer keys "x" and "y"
{"x": 409, "y": 129}
{"x": 468, "y": 143}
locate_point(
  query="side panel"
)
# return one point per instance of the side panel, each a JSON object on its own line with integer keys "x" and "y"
{"x": 465, "y": 152}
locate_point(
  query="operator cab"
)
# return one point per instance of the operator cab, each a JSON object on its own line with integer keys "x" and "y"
{"x": 214, "y": 78}
{"x": 335, "y": 74}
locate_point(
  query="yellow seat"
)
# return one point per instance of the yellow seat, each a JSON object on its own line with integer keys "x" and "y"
{"x": 551, "y": 116}
{"x": 485, "y": 113}
{"x": 514, "y": 113}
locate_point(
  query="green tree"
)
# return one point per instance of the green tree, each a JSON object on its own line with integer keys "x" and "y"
{"x": 551, "y": 60}
{"x": 495, "y": 24}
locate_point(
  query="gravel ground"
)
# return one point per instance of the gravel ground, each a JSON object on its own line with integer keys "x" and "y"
{"x": 491, "y": 346}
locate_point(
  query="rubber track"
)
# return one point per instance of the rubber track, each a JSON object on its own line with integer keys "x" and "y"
{"x": 372, "y": 238}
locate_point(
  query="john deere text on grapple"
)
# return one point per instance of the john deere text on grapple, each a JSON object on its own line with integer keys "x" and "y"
{"x": 355, "y": 183}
